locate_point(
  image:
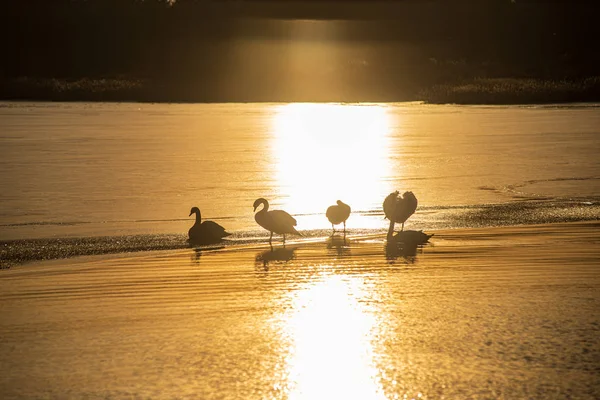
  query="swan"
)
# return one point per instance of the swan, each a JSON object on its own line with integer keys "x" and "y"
{"x": 399, "y": 208}
{"x": 205, "y": 232}
{"x": 337, "y": 214}
{"x": 276, "y": 221}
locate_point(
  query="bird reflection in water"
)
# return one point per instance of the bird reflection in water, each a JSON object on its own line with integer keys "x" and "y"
{"x": 280, "y": 255}
{"x": 406, "y": 244}
{"x": 339, "y": 245}
{"x": 195, "y": 257}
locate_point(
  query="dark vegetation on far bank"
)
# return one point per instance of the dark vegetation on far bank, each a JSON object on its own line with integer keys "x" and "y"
{"x": 514, "y": 91}
{"x": 473, "y": 91}
{"x": 490, "y": 51}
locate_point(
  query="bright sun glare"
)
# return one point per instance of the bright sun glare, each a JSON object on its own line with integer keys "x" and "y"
{"x": 326, "y": 152}
{"x": 330, "y": 332}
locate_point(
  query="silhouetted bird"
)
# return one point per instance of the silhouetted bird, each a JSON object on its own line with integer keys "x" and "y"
{"x": 399, "y": 208}
{"x": 338, "y": 214}
{"x": 205, "y": 232}
{"x": 276, "y": 221}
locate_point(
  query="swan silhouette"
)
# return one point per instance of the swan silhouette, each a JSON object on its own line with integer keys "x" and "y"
{"x": 206, "y": 232}
{"x": 338, "y": 214}
{"x": 399, "y": 208}
{"x": 276, "y": 221}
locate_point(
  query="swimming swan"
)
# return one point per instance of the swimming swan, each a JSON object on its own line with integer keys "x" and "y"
{"x": 205, "y": 232}
{"x": 276, "y": 221}
{"x": 338, "y": 214}
{"x": 399, "y": 208}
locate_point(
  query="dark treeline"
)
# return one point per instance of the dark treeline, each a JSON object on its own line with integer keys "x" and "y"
{"x": 199, "y": 50}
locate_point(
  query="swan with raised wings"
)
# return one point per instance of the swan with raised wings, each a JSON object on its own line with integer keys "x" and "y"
{"x": 206, "y": 232}
{"x": 337, "y": 214}
{"x": 399, "y": 208}
{"x": 275, "y": 221}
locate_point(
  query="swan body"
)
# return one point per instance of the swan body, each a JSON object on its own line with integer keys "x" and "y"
{"x": 338, "y": 214}
{"x": 275, "y": 221}
{"x": 205, "y": 232}
{"x": 399, "y": 208}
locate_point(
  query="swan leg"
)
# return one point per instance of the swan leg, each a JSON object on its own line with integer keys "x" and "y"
{"x": 284, "y": 238}
{"x": 402, "y": 227}
{"x": 390, "y": 234}
{"x": 271, "y": 238}
{"x": 333, "y": 227}
{"x": 344, "y": 227}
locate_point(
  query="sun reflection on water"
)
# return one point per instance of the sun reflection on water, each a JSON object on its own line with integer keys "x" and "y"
{"x": 326, "y": 152}
{"x": 330, "y": 334}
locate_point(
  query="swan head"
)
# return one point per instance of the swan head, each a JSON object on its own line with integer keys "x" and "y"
{"x": 194, "y": 210}
{"x": 340, "y": 203}
{"x": 260, "y": 201}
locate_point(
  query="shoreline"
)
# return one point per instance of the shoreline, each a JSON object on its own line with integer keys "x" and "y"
{"x": 417, "y": 101}
{"x": 473, "y": 91}
{"x": 23, "y": 252}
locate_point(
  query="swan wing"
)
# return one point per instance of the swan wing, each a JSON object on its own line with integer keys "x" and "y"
{"x": 405, "y": 208}
{"x": 283, "y": 218}
{"x": 282, "y": 222}
{"x": 276, "y": 221}
{"x": 213, "y": 229}
{"x": 345, "y": 211}
{"x": 389, "y": 205}
{"x": 332, "y": 214}
{"x": 338, "y": 214}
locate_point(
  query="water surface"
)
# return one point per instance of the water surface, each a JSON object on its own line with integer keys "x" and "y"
{"x": 502, "y": 313}
{"x": 93, "y": 169}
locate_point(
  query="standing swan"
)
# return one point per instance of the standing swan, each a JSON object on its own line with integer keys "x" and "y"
{"x": 399, "y": 208}
{"x": 338, "y": 214}
{"x": 205, "y": 232}
{"x": 276, "y": 221}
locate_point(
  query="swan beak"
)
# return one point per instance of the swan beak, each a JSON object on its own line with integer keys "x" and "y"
{"x": 255, "y": 209}
{"x": 190, "y": 215}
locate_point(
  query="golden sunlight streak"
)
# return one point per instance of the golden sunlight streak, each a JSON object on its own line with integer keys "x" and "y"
{"x": 326, "y": 152}
{"x": 314, "y": 62}
{"x": 330, "y": 332}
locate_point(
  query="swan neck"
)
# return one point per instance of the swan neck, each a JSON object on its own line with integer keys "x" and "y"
{"x": 198, "y": 217}
{"x": 265, "y": 204}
